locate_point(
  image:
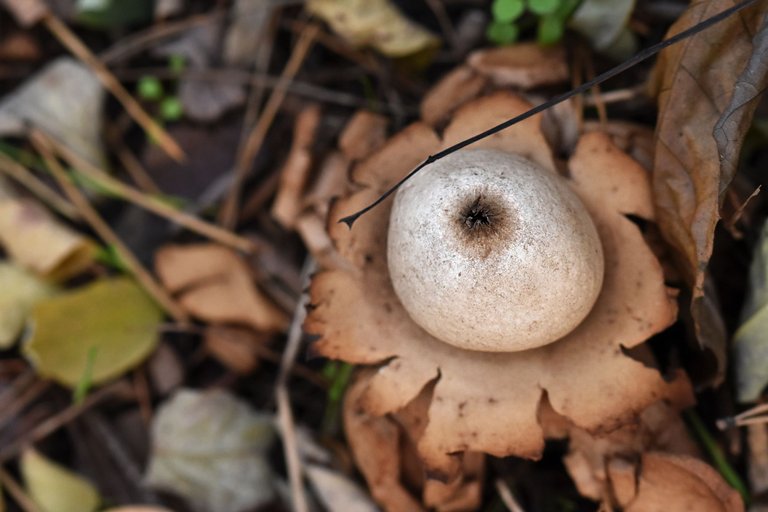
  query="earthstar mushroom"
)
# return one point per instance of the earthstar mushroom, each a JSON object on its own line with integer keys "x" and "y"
{"x": 490, "y": 251}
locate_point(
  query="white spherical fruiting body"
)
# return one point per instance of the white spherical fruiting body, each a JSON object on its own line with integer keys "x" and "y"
{"x": 489, "y": 251}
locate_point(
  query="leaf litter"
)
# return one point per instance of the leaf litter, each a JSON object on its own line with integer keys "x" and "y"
{"x": 416, "y": 420}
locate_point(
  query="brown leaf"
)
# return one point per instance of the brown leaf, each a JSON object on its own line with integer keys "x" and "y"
{"x": 295, "y": 171}
{"x": 489, "y": 402}
{"x": 679, "y": 482}
{"x": 523, "y": 65}
{"x": 453, "y": 90}
{"x": 364, "y": 133}
{"x": 213, "y": 283}
{"x": 707, "y": 88}
{"x": 26, "y": 12}
{"x": 235, "y": 347}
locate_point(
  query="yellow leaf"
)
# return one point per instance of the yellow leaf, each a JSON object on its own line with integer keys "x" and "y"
{"x": 375, "y": 23}
{"x": 55, "y": 488}
{"x": 113, "y": 318}
{"x": 19, "y": 292}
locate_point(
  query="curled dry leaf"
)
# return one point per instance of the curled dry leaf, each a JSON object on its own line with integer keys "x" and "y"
{"x": 36, "y": 240}
{"x": 296, "y": 169}
{"x": 64, "y": 100}
{"x": 707, "y": 90}
{"x": 210, "y": 448}
{"x": 489, "y": 402}
{"x": 235, "y": 347}
{"x": 674, "y": 482}
{"x": 214, "y": 284}
{"x": 524, "y": 65}
{"x": 375, "y": 23}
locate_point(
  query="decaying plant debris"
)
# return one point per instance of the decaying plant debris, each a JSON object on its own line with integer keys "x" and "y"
{"x": 178, "y": 293}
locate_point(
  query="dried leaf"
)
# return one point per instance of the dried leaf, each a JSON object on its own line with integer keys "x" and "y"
{"x": 19, "y": 292}
{"x": 38, "y": 241}
{"x": 215, "y": 285}
{"x": 750, "y": 341}
{"x": 245, "y": 31}
{"x": 113, "y": 319}
{"x": 678, "y": 482}
{"x": 210, "y": 448}
{"x": 524, "y": 65}
{"x": 338, "y": 492}
{"x": 55, "y": 488}
{"x": 26, "y": 12}
{"x": 235, "y": 347}
{"x": 65, "y": 100}
{"x": 375, "y": 23}
{"x": 604, "y": 24}
{"x": 707, "y": 89}
{"x": 296, "y": 169}
{"x": 489, "y": 402}
{"x": 453, "y": 90}
{"x": 364, "y": 133}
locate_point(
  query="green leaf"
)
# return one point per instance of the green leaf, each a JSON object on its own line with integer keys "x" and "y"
{"x": 113, "y": 316}
{"x": 750, "y": 342}
{"x": 551, "y": 28}
{"x": 55, "y": 488}
{"x": 149, "y": 88}
{"x": 542, "y": 7}
{"x": 502, "y": 33}
{"x": 20, "y": 290}
{"x": 506, "y": 11}
{"x": 171, "y": 109}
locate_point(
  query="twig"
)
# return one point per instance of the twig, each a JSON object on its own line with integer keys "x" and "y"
{"x": 70, "y": 40}
{"x": 505, "y": 493}
{"x": 127, "y": 47}
{"x": 29, "y": 181}
{"x": 154, "y": 205}
{"x": 749, "y": 417}
{"x": 98, "y": 224}
{"x": 15, "y": 490}
{"x": 284, "y": 412}
{"x": 53, "y": 423}
{"x": 228, "y": 214}
{"x": 23, "y": 399}
{"x": 645, "y": 54}
{"x": 438, "y": 9}
{"x": 130, "y": 161}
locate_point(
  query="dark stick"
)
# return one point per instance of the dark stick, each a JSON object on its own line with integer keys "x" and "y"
{"x": 638, "y": 58}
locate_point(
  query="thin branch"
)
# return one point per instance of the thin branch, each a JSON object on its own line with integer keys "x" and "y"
{"x": 629, "y": 63}
{"x": 28, "y": 180}
{"x": 252, "y": 145}
{"x": 284, "y": 413}
{"x": 98, "y": 224}
{"x": 108, "y": 80}
{"x": 149, "y": 203}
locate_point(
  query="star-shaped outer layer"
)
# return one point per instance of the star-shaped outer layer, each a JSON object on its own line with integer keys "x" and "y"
{"x": 489, "y": 401}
